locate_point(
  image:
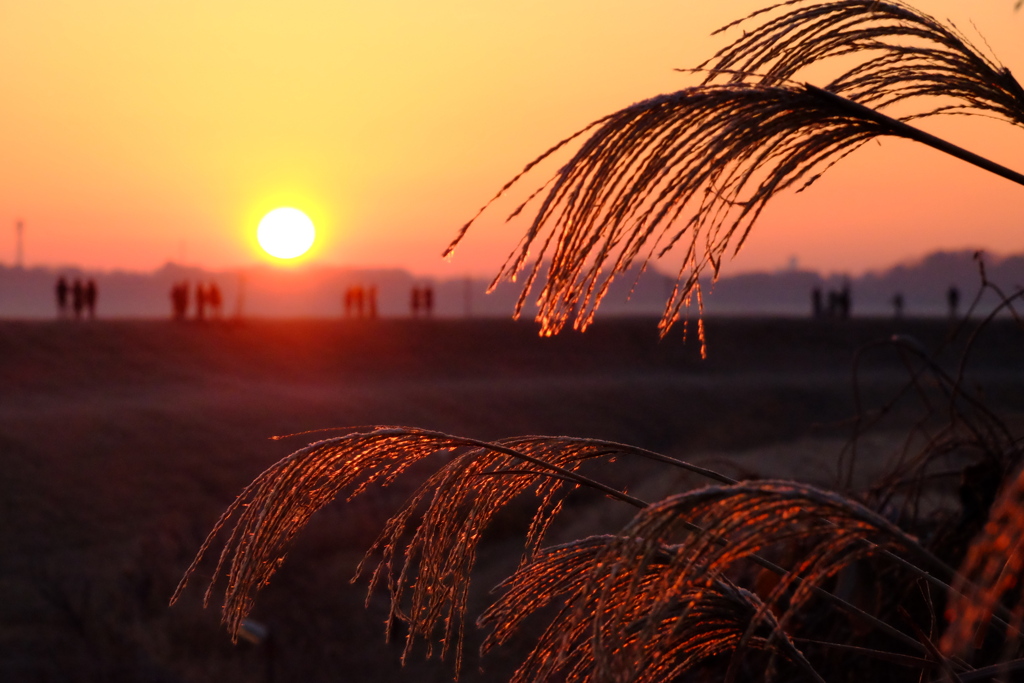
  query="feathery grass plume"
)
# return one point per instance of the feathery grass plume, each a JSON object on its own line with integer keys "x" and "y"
{"x": 427, "y": 574}
{"x": 907, "y": 54}
{"x": 696, "y": 166}
{"x": 428, "y": 548}
{"x": 990, "y": 575}
{"x": 705, "y": 622}
{"x": 432, "y": 571}
{"x": 276, "y": 505}
{"x": 625, "y": 597}
{"x": 818, "y": 533}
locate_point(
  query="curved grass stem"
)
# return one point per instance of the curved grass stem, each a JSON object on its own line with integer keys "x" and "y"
{"x": 916, "y": 134}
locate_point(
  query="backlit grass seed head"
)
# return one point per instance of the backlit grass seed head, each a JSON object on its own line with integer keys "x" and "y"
{"x": 991, "y": 574}
{"x": 427, "y": 572}
{"x": 706, "y": 620}
{"x": 690, "y": 172}
{"x": 907, "y": 56}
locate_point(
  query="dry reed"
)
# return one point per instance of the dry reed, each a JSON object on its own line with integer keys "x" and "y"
{"x": 990, "y": 574}
{"x": 906, "y": 54}
{"x": 457, "y": 503}
{"x": 698, "y": 166}
{"x": 705, "y": 620}
{"x": 679, "y": 551}
{"x": 655, "y": 599}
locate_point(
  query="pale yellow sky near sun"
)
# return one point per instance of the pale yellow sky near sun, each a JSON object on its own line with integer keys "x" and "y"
{"x": 134, "y": 132}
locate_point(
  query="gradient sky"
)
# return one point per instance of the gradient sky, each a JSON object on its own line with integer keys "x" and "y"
{"x": 134, "y": 132}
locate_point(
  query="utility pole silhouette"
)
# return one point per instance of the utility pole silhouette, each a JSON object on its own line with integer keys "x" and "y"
{"x": 19, "y": 254}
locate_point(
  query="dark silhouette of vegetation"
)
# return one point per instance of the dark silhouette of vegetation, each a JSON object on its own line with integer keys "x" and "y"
{"x": 735, "y": 580}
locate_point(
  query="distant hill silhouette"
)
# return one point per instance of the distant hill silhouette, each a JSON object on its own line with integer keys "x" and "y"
{"x": 922, "y": 283}
{"x": 264, "y": 291}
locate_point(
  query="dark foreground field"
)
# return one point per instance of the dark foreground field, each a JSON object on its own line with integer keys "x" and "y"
{"x": 122, "y": 442}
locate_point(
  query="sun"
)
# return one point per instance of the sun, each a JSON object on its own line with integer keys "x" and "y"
{"x": 286, "y": 233}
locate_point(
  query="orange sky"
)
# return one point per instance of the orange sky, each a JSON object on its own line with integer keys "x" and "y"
{"x": 133, "y": 133}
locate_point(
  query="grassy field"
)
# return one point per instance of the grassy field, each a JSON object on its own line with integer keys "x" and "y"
{"x": 121, "y": 442}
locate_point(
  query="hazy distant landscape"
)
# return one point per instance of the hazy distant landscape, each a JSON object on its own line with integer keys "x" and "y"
{"x": 122, "y": 442}
{"x": 318, "y": 291}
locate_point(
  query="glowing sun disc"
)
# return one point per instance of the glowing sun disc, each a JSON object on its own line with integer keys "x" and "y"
{"x": 286, "y": 233}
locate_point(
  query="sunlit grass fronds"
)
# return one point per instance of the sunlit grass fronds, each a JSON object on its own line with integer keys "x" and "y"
{"x": 991, "y": 574}
{"x": 695, "y": 168}
{"x": 706, "y": 621}
{"x": 278, "y": 503}
{"x": 815, "y": 533}
{"x": 903, "y": 54}
{"x": 628, "y": 604}
{"x": 426, "y": 573}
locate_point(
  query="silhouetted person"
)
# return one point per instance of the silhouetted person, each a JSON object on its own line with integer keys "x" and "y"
{"x": 200, "y": 301}
{"x": 953, "y": 299}
{"x": 89, "y": 296}
{"x": 62, "y": 297}
{"x": 186, "y": 296}
{"x": 214, "y": 298}
{"x": 817, "y": 309}
{"x": 358, "y": 301}
{"x": 833, "y": 304}
{"x": 348, "y": 302}
{"x": 371, "y": 303}
{"x": 428, "y": 300}
{"x": 844, "y": 302}
{"x": 77, "y": 298}
{"x": 415, "y": 302}
{"x": 179, "y": 300}
{"x": 897, "y": 305}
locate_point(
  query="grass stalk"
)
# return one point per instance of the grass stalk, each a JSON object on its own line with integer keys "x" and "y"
{"x": 916, "y": 134}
